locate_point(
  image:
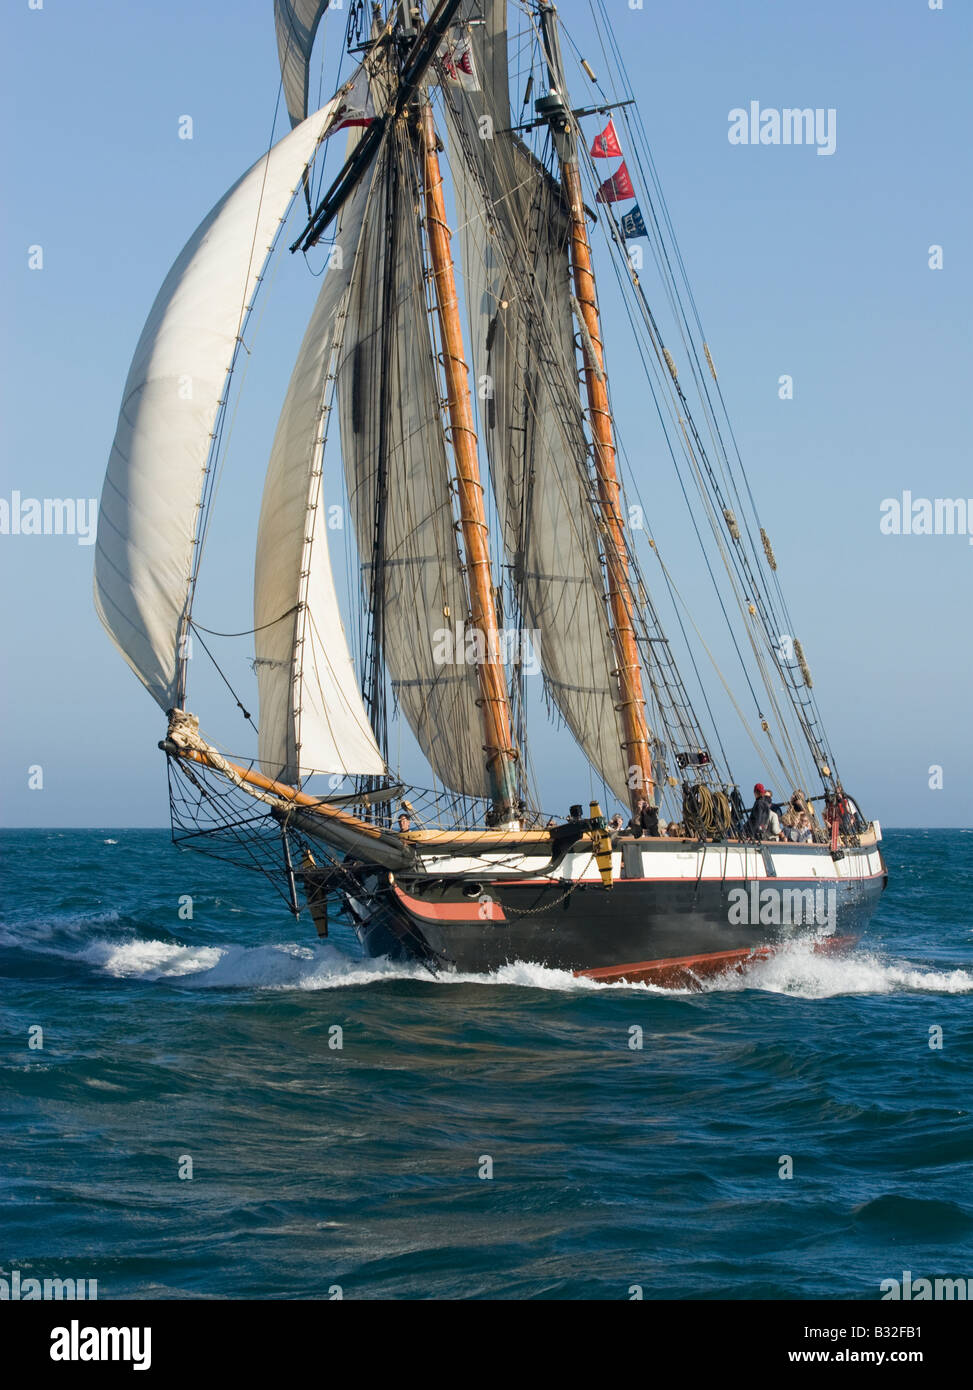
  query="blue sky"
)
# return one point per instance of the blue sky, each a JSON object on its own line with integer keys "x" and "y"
{"x": 812, "y": 266}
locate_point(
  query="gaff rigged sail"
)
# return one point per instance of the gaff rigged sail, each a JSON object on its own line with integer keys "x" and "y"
{"x": 514, "y": 249}
{"x": 395, "y": 461}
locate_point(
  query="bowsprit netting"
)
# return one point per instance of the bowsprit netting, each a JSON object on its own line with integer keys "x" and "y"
{"x": 210, "y": 814}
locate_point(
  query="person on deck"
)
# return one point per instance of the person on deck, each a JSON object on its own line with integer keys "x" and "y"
{"x": 645, "y": 819}
{"x": 764, "y": 821}
{"x": 774, "y": 831}
{"x": 404, "y": 822}
{"x": 852, "y": 820}
{"x": 759, "y": 813}
{"x": 791, "y": 819}
{"x": 839, "y": 807}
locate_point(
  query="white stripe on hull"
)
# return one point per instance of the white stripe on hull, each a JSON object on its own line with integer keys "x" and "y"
{"x": 710, "y": 862}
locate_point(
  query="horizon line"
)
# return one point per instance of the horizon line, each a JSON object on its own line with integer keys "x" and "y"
{"x": 168, "y": 827}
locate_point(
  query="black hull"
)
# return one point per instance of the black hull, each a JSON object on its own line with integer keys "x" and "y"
{"x": 638, "y": 928}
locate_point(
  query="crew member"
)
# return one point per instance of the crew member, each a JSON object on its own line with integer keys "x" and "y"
{"x": 759, "y": 813}
{"x": 645, "y": 819}
{"x": 773, "y": 831}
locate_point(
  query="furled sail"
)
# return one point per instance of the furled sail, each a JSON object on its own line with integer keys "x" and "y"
{"x": 514, "y": 250}
{"x": 297, "y": 23}
{"x": 311, "y": 711}
{"x": 150, "y": 502}
{"x": 398, "y": 482}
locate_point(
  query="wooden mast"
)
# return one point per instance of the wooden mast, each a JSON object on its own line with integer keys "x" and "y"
{"x": 501, "y": 753}
{"x": 621, "y": 598}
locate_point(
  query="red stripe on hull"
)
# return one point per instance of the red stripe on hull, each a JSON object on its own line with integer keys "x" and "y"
{"x": 682, "y": 971}
{"x": 471, "y": 911}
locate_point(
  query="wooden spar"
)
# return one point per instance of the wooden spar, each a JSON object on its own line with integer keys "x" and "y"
{"x": 185, "y": 742}
{"x": 337, "y": 828}
{"x": 621, "y": 599}
{"x": 208, "y": 758}
{"x": 620, "y": 596}
{"x": 494, "y": 702}
{"x": 421, "y": 55}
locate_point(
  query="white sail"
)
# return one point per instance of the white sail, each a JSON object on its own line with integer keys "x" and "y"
{"x": 311, "y": 711}
{"x": 147, "y": 523}
{"x": 297, "y": 23}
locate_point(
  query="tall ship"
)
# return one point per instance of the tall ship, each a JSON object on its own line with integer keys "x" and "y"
{"x": 453, "y": 207}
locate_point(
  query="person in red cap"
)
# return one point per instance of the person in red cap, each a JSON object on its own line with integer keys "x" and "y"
{"x": 760, "y": 813}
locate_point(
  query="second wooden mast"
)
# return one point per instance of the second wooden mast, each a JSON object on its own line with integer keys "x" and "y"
{"x": 621, "y": 598}
{"x": 501, "y": 752}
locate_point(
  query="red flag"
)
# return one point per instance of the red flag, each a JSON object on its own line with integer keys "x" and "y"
{"x": 617, "y": 187}
{"x": 355, "y": 107}
{"x": 606, "y": 144}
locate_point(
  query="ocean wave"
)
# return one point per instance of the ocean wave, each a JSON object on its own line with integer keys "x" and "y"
{"x": 27, "y": 932}
{"x": 149, "y": 960}
{"x": 291, "y": 966}
{"x": 799, "y": 970}
{"x": 796, "y": 969}
{"x": 328, "y": 967}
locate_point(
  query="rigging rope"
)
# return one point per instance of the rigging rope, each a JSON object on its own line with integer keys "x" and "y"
{"x": 776, "y": 619}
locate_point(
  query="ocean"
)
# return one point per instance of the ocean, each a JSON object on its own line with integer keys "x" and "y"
{"x": 222, "y": 1107}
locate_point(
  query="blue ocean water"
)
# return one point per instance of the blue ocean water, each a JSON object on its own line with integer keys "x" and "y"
{"x": 316, "y": 1167}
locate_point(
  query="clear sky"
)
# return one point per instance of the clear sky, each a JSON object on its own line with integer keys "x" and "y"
{"x": 812, "y": 266}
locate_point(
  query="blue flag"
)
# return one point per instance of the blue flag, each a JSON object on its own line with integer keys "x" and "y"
{"x": 632, "y": 224}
